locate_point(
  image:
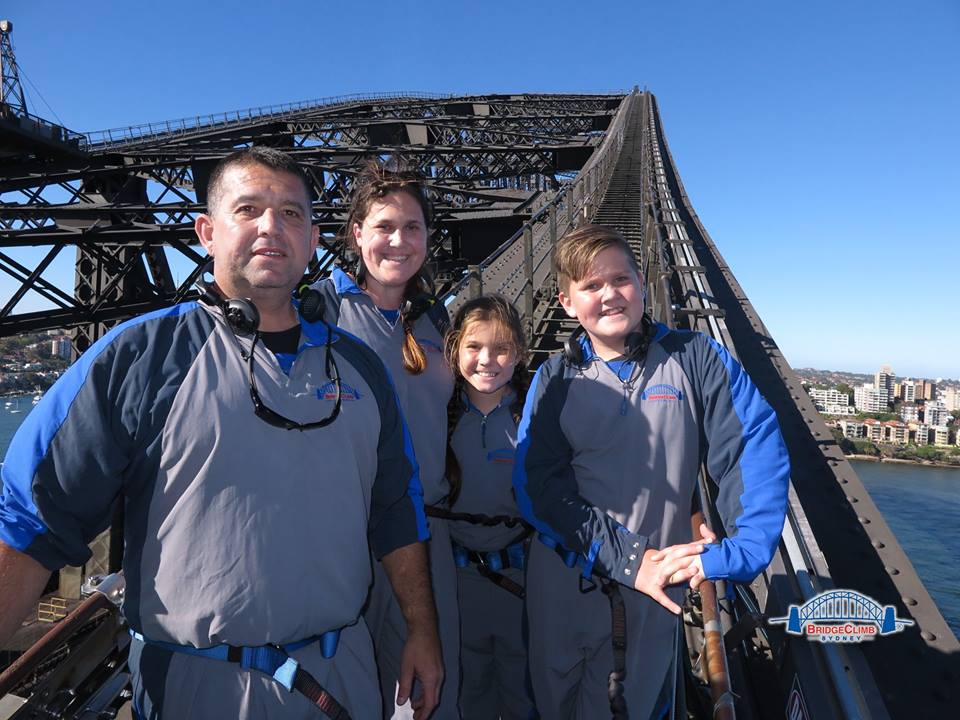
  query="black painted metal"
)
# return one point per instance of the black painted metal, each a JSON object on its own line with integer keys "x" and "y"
{"x": 510, "y": 175}
{"x": 125, "y": 208}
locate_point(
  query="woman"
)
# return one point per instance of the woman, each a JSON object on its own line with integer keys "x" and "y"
{"x": 388, "y": 302}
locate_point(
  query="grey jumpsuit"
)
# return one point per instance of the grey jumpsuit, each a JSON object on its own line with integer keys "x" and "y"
{"x": 493, "y": 654}
{"x": 236, "y": 532}
{"x": 423, "y": 399}
{"x": 607, "y": 466}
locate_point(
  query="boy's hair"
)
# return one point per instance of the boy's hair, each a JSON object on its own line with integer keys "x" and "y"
{"x": 487, "y": 308}
{"x": 376, "y": 181}
{"x": 577, "y": 250}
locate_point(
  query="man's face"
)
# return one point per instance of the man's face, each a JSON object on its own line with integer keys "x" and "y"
{"x": 259, "y": 233}
{"x": 608, "y": 301}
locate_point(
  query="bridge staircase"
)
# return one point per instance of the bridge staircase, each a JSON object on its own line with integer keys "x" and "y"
{"x": 621, "y": 208}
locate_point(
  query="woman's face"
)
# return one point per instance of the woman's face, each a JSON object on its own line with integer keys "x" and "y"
{"x": 392, "y": 240}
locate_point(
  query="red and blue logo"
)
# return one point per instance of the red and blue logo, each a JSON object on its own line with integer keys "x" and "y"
{"x": 429, "y": 345}
{"x": 662, "y": 393}
{"x": 501, "y": 456}
{"x": 329, "y": 392}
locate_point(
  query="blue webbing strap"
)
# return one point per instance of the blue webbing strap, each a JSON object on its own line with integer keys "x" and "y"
{"x": 272, "y": 660}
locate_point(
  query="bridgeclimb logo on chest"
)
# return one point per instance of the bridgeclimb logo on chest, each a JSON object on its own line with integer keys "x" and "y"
{"x": 329, "y": 392}
{"x": 502, "y": 456}
{"x": 662, "y": 394}
{"x": 429, "y": 345}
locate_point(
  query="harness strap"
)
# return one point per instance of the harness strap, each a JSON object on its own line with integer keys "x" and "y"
{"x": 476, "y": 518}
{"x": 490, "y": 563}
{"x": 275, "y": 661}
{"x": 618, "y": 638}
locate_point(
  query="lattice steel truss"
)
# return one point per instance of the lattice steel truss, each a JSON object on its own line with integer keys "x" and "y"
{"x": 125, "y": 205}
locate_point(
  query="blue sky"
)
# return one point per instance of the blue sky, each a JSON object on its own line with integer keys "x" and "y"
{"x": 817, "y": 140}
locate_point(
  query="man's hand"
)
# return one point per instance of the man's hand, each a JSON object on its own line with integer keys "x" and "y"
{"x": 422, "y": 660}
{"x": 672, "y": 565}
{"x": 409, "y": 573}
{"x": 21, "y": 581}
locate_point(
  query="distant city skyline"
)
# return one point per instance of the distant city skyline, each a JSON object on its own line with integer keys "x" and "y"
{"x": 816, "y": 140}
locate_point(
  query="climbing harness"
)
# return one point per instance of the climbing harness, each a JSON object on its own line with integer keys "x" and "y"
{"x": 274, "y": 661}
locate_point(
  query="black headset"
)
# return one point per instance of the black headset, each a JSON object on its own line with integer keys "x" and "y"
{"x": 240, "y": 313}
{"x": 242, "y": 317}
{"x": 635, "y": 345}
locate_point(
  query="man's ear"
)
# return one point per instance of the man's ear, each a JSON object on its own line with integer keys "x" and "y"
{"x": 203, "y": 226}
{"x": 567, "y": 305}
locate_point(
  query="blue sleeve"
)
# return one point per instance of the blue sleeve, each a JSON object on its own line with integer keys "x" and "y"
{"x": 747, "y": 458}
{"x": 67, "y": 462}
{"x": 547, "y": 492}
{"x": 397, "y": 516}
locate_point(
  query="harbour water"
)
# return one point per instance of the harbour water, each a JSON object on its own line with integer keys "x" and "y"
{"x": 921, "y": 504}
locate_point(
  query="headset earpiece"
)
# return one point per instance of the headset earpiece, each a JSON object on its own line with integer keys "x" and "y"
{"x": 240, "y": 313}
{"x": 572, "y": 350}
{"x": 312, "y": 304}
{"x": 360, "y": 273}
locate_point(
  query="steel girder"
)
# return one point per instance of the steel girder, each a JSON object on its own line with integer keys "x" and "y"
{"x": 125, "y": 208}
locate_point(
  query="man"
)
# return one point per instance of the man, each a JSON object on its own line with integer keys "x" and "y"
{"x": 248, "y": 524}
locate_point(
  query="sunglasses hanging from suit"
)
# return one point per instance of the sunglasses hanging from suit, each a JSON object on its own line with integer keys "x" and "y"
{"x": 243, "y": 319}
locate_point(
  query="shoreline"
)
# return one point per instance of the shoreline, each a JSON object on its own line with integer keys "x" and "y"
{"x": 903, "y": 461}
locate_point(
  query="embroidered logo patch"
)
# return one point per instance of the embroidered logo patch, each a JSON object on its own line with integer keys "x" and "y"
{"x": 501, "y": 456}
{"x": 662, "y": 393}
{"x": 329, "y": 392}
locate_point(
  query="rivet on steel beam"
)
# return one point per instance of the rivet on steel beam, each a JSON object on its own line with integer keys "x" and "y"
{"x": 852, "y": 499}
{"x": 843, "y": 481}
{"x": 909, "y": 601}
{"x": 928, "y": 636}
{"x": 891, "y": 570}
{"x": 878, "y": 545}
{"x": 863, "y": 520}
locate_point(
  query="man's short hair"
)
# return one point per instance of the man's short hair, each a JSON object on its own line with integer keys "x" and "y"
{"x": 258, "y": 155}
{"x": 577, "y": 250}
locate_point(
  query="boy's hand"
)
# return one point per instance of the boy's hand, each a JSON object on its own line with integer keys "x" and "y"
{"x": 706, "y": 537}
{"x": 672, "y": 565}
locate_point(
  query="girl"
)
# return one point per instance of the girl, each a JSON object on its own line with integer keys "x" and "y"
{"x": 388, "y": 303}
{"x": 488, "y": 352}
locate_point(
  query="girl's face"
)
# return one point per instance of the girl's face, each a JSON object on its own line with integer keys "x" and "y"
{"x": 392, "y": 240}
{"x": 486, "y": 358}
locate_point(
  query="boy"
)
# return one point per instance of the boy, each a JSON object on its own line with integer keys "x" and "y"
{"x": 613, "y": 436}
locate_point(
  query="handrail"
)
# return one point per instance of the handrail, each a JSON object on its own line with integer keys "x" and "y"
{"x": 116, "y": 137}
{"x": 589, "y": 183}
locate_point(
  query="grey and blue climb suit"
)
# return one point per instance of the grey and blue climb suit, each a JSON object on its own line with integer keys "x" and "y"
{"x": 493, "y": 653}
{"x": 423, "y": 399}
{"x": 607, "y": 466}
{"x": 236, "y": 532}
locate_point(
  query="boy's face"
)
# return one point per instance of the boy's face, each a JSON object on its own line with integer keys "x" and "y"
{"x": 608, "y": 301}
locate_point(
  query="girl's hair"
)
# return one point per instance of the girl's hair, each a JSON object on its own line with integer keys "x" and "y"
{"x": 376, "y": 181}
{"x": 498, "y": 310}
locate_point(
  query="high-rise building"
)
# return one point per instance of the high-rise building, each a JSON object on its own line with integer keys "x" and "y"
{"x": 883, "y": 380}
{"x": 908, "y": 391}
{"x": 922, "y": 435}
{"x": 831, "y": 402}
{"x": 926, "y": 390}
{"x": 909, "y": 412}
{"x": 867, "y": 398}
{"x": 941, "y": 435}
{"x": 950, "y": 396}
{"x": 935, "y": 413}
{"x": 895, "y": 432}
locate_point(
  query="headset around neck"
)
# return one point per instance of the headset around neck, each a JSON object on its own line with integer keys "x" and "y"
{"x": 243, "y": 318}
{"x": 635, "y": 345}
